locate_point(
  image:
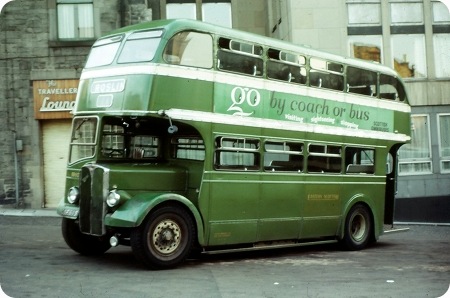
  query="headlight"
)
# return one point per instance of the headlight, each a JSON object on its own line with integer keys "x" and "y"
{"x": 113, "y": 198}
{"x": 74, "y": 195}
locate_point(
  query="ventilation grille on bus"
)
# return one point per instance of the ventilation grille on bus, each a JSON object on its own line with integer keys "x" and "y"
{"x": 93, "y": 190}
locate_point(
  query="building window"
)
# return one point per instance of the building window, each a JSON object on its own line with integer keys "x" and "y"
{"x": 217, "y": 12}
{"x": 364, "y": 14}
{"x": 441, "y": 14}
{"x": 408, "y": 38}
{"x": 75, "y": 19}
{"x": 444, "y": 142}
{"x": 177, "y": 9}
{"x": 407, "y": 12}
{"x": 364, "y": 29}
{"x": 441, "y": 39}
{"x": 367, "y": 47}
{"x": 415, "y": 158}
{"x": 408, "y": 52}
{"x": 441, "y": 43}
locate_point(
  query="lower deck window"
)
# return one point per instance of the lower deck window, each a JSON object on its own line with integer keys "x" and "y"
{"x": 324, "y": 159}
{"x": 236, "y": 154}
{"x": 192, "y": 148}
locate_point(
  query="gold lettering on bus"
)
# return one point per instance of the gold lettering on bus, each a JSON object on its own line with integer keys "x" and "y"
{"x": 222, "y": 235}
{"x": 323, "y": 197}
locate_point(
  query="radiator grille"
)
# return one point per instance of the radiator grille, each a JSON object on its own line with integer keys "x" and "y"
{"x": 93, "y": 191}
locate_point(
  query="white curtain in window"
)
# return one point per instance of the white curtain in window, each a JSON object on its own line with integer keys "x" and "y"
{"x": 420, "y": 140}
{"x": 66, "y": 21}
{"x": 75, "y": 21}
{"x": 442, "y": 54}
{"x": 444, "y": 131}
{"x": 85, "y": 21}
{"x": 415, "y": 158}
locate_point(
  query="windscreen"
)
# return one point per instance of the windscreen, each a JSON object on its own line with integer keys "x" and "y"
{"x": 104, "y": 51}
{"x": 139, "y": 46}
{"x": 83, "y": 140}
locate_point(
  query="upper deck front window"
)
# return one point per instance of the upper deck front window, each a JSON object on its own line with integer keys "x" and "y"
{"x": 140, "y": 46}
{"x": 190, "y": 49}
{"x": 104, "y": 51}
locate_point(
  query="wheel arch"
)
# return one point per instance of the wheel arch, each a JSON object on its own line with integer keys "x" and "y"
{"x": 134, "y": 211}
{"x": 367, "y": 202}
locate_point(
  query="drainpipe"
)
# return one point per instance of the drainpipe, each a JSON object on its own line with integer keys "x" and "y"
{"x": 18, "y": 147}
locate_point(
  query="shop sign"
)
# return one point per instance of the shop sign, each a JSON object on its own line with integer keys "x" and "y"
{"x": 54, "y": 99}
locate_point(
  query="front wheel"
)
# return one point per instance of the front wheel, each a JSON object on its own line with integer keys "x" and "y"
{"x": 358, "y": 228}
{"x": 164, "y": 239}
{"x": 82, "y": 243}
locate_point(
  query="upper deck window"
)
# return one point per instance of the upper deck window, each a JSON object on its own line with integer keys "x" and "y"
{"x": 140, "y": 46}
{"x": 241, "y": 57}
{"x": 190, "y": 49}
{"x": 361, "y": 81}
{"x": 286, "y": 66}
{"x": 391, "y": 88}
{"x": 326, "y": 74}
{"x": 104, "y": 51}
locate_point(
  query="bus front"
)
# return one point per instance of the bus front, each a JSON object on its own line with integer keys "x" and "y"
{"x": 124, "y": 156}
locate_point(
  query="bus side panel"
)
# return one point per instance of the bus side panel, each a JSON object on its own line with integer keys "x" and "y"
{"x": 322, "y": 207}
{"x": 280, "y": 207}
{"x": 170, "y": 92}
{"x": 233, "y": 212}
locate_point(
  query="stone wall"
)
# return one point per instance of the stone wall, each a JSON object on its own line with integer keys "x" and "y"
{"x": 29, "y": 51}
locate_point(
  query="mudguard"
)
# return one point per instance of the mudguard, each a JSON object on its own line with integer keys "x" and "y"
{"x": 360, "y": 198}
{"x": 133, "y": 212}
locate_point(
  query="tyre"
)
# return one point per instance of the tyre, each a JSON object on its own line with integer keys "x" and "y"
{"x": 81, "y": 243}
{"x": 165, "y": 238}
{"x": 358, "y": 228}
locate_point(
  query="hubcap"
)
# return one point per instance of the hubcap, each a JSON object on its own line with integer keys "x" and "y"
{"x": 166, "y": 237}
{"x": 358, "y": 227}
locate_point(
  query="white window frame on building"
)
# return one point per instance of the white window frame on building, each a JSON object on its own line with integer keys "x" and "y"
{"x": 364, "y": 29}
{"x": 416, "y": 158}
{"x": 216, "y": 12}
{"x": 75, "y": 20}
{"x": 444, "y": 142}
{"x": 408, "y": 38}
{"x": 441, "y": 39}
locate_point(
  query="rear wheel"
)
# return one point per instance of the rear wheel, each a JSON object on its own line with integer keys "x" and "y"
{"x": 164, "y": 239}
{"x": 81, "y": 243}
{"x": 358, "y": 228}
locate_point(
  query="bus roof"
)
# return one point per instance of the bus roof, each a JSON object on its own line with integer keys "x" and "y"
{"x": 174, "y": 26}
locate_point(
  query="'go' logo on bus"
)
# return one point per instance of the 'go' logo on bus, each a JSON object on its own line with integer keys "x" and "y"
{"x": 242, "y": 98}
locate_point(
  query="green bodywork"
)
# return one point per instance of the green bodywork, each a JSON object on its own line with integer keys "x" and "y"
{"x": 234, "y": 207}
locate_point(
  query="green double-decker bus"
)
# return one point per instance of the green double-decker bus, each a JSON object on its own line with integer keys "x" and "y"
{"x": 191, "y": 137}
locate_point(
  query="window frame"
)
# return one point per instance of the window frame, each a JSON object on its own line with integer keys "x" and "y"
{"x": 442, "y": 158}
{"x": 325, "y": 157}
{"x": 75, "y": 38}
{"x": 283, "y": 166}
{"x": 420, "y": 160}
{"x": 241, "y": 152}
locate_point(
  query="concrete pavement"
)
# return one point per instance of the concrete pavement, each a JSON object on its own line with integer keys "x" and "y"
{"x": 28, "y": 212}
